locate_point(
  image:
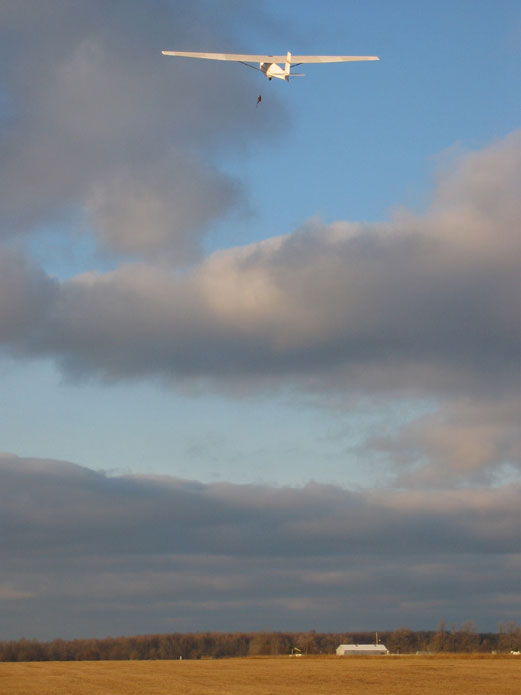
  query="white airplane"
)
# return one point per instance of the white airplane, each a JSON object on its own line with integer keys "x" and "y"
{"x": 269, "y": 65}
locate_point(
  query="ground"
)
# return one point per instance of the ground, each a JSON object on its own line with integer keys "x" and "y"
{"x": 387, "y": 675}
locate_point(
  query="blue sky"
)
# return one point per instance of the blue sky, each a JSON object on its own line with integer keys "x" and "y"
{"x": 354, "y": 143}
{"x": 312, "y": 290}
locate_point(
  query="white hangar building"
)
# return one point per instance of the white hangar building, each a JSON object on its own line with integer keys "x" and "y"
{"x": 361, "y": 649}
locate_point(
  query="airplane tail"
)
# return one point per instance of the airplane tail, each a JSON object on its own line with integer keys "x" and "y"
{"x": 287, "y": 67}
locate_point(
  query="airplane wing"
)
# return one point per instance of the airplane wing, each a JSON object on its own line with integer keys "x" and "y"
{"x": 237, "y": 57}
{"x": 330, "y": 59}
{"x": 248, "y": 58}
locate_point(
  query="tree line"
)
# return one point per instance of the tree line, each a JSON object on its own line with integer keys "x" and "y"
{"x": 217, "y": 645}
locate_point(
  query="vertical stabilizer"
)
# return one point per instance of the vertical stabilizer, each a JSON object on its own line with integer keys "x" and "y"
{"x": 287, "y": 66}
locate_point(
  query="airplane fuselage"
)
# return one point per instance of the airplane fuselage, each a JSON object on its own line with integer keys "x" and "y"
{"x": 274, "y": 70}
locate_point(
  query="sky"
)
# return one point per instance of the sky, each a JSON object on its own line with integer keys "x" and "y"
{"x": 259, "y": 365}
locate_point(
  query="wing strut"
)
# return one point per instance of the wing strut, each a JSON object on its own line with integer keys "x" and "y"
{"x": 249, "y": 65}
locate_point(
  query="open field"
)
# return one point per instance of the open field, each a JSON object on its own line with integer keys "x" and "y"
{"x": 404, "y": 675}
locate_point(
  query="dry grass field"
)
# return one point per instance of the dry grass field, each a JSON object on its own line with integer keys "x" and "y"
{"x": 405, "y": 675}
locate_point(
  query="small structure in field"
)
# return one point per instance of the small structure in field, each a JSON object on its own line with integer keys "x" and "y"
{"x": 361, "y": 649}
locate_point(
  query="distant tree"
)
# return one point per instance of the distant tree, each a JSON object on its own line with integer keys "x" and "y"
{"x": 440, "y": 640}
{"x": 219, "y": 645}
{"x": 279, "y": 644}
{"x": 509, "y": 638}
{"x": 467, "y": 638}
{"x": 305, "y": 641}
{"x": 259, "y": 644}
{"x": 401, "y": 641}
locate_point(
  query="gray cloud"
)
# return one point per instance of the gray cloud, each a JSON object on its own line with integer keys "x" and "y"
{"x": 25, "y": 292}
{"x": 56, "y": 505}
{"x": 244, "y": 556}
{"x": 99, "y": 122}
{"x": 421, "y": 304}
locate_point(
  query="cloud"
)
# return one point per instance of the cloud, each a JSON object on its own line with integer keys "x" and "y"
{"x": 465, "y": 440}
{"x": 421, "y": 307}
{"x": 163, "y": 547}
{"x": 96, "y": 125}
{"x": 424, "y": 304}
{"x": 25, "y": 292}
{"x": 10, "y": 593}
{"x": 95, "y": 121}
{"x": 100, "y": 124}
{"x": 138, "y": 212}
